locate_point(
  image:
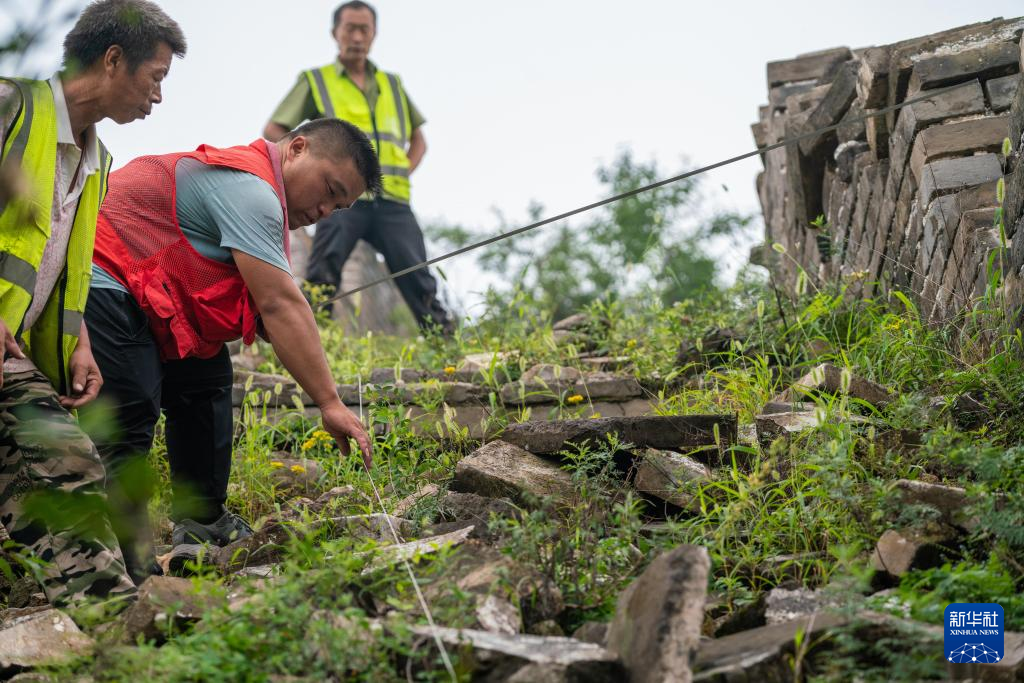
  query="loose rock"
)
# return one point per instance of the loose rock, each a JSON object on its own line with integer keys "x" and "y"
{"x": 500, "y": 469}
{"x": 46, "y": 636}
{"x": 657, "y": 623}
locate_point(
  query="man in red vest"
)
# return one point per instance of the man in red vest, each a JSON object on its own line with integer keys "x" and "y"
{"x": 192, "y": 252}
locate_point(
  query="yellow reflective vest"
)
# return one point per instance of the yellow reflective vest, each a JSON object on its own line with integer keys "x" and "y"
{"x": 31, "y": 143}
{"x": 388, "y": 126}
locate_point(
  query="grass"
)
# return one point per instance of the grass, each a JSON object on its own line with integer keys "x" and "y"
{"x": 801, "y": 512}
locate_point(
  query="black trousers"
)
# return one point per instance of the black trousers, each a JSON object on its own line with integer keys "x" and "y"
{"x": 390, "y": 228}
{"x": 194, "y": 395}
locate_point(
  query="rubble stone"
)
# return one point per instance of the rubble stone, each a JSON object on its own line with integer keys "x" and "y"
{"x": 828, "y": 379}
{"x": 165, "y": 604}
{"x": 677, "y": 432}
{"x": 672, "y": 477}
{"x": 496, "y": 657}
{"x": 900, "y": 550}
{"x": 657, "y": 624}
{"x": 500, "y": 469}
{"x": 38, "y": 637}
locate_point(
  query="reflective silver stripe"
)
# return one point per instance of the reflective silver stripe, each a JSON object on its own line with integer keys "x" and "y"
{"x": 105, "y": 161}
{"x": 394, "y": 170}
{"x": 21, "y": 139}
{"x": 18, "y": 271}
{"x": 393, "y": 139}
{"x": 72, "y": 322}
{"x": 396, "y": 92}
{"x": 318, "y": 78}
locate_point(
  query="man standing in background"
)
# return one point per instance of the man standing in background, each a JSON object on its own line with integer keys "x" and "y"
{"x": 352, "y": 88}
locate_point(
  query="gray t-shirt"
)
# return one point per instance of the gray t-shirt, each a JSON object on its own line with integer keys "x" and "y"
{"x": 220, "y": 209}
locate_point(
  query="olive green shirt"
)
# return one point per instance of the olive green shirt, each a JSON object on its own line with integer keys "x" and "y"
{"x": 298, "y": 105}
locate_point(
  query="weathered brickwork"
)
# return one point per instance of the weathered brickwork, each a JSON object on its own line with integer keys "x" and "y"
{"x": 908, "y": 197}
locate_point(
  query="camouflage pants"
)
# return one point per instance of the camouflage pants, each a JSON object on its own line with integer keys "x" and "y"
{"x": 51, "y": 493}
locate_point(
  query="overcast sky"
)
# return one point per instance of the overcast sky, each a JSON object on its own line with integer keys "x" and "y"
{"x": 524, "y": 99}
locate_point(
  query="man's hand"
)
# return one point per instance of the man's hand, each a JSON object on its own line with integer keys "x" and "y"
{"x": 85, "y": 378}
{"x": 8, "y": 347}
{"x": 342, "y": 424}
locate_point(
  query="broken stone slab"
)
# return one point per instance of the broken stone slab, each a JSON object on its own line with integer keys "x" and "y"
{"x": 759, "y": 654}
{"x": 497, "y": 657}
{"x": 957, "y": 139}
{"x": 950, "y": 501}
{"x": 483, "y": 362}
{"x": 496, "y": 615}
{"x": 987, "y": 60}
{"x": 952, "y": 175}
{"x": 606, "y": 363}
{"x": 470, "y": 509}
{"x": 828, "y": 379}
{"x": 783, "y": 605}
{"x": 676, "y": 432}
{"x": 671, "y": 477}
{"x": 40, "y": 637}
{"x": 165, "y": 605}
{"x": 404, "y": 506}
{"x": 784, "y": 425}
{"x": 576, "y": 321}
{"x": 813, "y": 66}
{"x": 503, "y": 470}
{"x": 393, "y": 554}
{"x": 548, "y": 373}
{"x": 657, "y": 624}
{"x": 831, "y": 108}
{"x": 898, "y": 551}
{"x": 786, "y": 407}
{"x": 482, "y": 570}
{"x": 267, "y": 543}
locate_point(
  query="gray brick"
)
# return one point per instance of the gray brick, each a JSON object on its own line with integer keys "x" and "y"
{"x": 950, "y": 175}
{"x": 1000, "y": 91}
{"x": 806, "y": 67}
{"x": 987, "y": 60}
{"x": 958, "y": 139}
{"x": 831, "y": 108}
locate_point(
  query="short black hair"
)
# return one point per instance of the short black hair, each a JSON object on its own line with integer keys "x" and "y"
{"x": 341, "y": 140}
{"x": 138, "y": 26}
{"x": 354, "y": 4}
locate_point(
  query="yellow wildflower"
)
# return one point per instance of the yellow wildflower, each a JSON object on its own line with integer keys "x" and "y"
{"x": 631, "y": 344}
{"x": 574, "y": 399}
{"x": 298, "y": 469}
{"x": 276, "y": 464}
{"x": 595, "y": 416}
{"x": 308, "y": 443}
{"x": 321, "y": 435}
{"x": 449, "y": 370}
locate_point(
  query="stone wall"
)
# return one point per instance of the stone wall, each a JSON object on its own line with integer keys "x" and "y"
{"x": 908, "y": 197}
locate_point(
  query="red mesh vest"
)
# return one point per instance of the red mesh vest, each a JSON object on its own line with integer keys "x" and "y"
{"x": 194, "y": 304}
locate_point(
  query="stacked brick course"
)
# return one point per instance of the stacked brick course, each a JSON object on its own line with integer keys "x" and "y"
{"x": 908, "y": 196}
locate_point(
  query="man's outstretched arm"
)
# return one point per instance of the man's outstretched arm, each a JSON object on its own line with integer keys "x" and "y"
{"x": 294, "y": 335}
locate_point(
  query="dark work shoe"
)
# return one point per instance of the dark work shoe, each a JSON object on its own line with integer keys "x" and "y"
{"x": 229, "y": 527}
{"x": 181, "y": 555}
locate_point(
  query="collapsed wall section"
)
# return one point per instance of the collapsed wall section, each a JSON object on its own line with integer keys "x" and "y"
{"x": 905, "y": 199}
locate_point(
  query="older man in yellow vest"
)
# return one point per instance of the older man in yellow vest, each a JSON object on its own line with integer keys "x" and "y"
{"x": 114, "y": 60}
{"x": 353, "y": 89}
